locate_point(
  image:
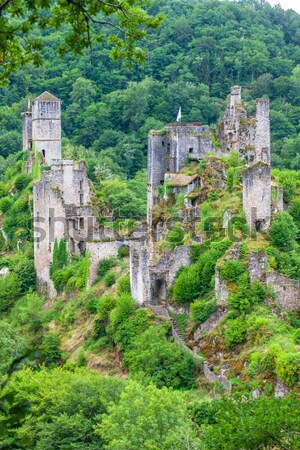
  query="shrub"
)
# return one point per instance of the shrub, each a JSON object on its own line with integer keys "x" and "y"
{"x": 73, "y": 276}
{"x": 129, "y": 329}
{"x": 287, "y": 366}
{"x": 175, "y": 237}
{"x": 297, "y": 336}
{"x": 235, "y": 333}
{"x": 105, "y": 265}
{"x": 196, "y": 280}
{"x": 124, "y": 285}
{"x": 165, "y": 363}
{"x": 10, "y": 291}
{"x": 201, "y": 310}
{"x": 22, "y": 181}
{"x": 231, "y": 270}
{"x": 25, "y": 270}
{"x": 109, "y": 279}
{"x": 125, "y": 306}
{"x": 187, "y": 285}
{"x": 51, "y": 348}
{"x": 105, "y": 306}
{"x": 28, "y": 314}
{"x": 5, "y": 204}
{"x": 123, "y": 251}
{"x": 283, "y": 231}
{"x": 12, "y": 346}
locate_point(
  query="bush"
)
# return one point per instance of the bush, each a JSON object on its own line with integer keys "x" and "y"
{"x": 201, "y": 310}
{"x": 124, "y": 285}
{"x": 287, "y": 366}
{"x": 187, "y": 285}
{"x": 5, "y": 204}
{"x": 25, "y": 270}
{"x": 51, "y": 348}
{"x": 297, "y": 336}
{"x": 12, "y": 346}
{"x": 163, "y": 362}
{"x": 22, "y": 181}
{"x": 125, "y": 306}
{"x": 109, "y": 279}
{"x": 231, "y": 270}
{"x": 235, "y": 333}
{"x": 175, "y": 237}
{"x": 105, "y": 265}
{"x": 105, "y": 306}
{"x": 10, "y": 291}
{"x": 283, "y": 231}
{"x": 131, "y": 328}
{"x": 123, "y": 251}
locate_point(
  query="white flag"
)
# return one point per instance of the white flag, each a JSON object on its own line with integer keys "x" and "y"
{"x": 179, "y": 115}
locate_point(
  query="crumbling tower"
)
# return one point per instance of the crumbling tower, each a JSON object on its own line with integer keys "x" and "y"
{"x": 42, "y": 127}
{"x": 262, "y": 131}
{"x": 27, "y": 128}
{"x": 169, "y": 150}
{"x": 257, "y": 178}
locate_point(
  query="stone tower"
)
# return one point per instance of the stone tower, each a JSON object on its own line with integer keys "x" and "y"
{"x": 257, "y": 177}
{"x": 262, "y": 131}
{"x": 27, "y": 128}
{"x": 42, "y": 127}
{"x": 169, "y": 150}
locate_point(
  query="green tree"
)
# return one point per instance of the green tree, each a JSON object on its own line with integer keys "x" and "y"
{"x": 283, "y": 231}
{"x": 146, "y": 417}
{"x": 121, "y": 24}
{"x": 164, "y": 362}
{"x": 246, "y": 425}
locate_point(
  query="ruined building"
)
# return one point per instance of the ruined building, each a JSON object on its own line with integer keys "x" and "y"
{"x": 63, "y": 198}
{"x": 42, "y": 127}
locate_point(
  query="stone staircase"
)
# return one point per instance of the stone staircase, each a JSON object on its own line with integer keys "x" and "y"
{"x": 162, "y": 311}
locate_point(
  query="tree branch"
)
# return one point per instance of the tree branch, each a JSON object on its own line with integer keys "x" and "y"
{"x": 3, "y": 5}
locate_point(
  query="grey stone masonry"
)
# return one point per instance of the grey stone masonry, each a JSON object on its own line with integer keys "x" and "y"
{"x": 257, "y": 196}
{"x": 258, "y": 265}
{"x": 287, "y": 291}
{"x": 42, "y": 127}
{"x": 262, "y": 133}
{"x": 61, "y": 211}
{"x": 169, "y": 150}
{"x": 249, "y": 136}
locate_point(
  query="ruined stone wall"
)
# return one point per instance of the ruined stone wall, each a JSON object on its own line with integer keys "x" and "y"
{"x": 72, "y": 179}
{"x": 46, "y": 128}
{"x": 250, "y": 136}
{"x": 99, "y": 251}
{"x": 276, "y": 199}
{"x": 27, "y": 130}
{"x": 262, "y": 132}
{"x": 49, "y": 224}
{"x": 158, "y": 146}
{"x": 188, "y": 141}
{"x": 168, "y": 152}
{"x": 257, "y": 196}
{"x": 287, "y": 291}
{"x": 258, "y": 264}
{"x": 139, "y": 272}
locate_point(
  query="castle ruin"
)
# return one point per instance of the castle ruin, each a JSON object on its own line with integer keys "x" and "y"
{"x": 63, "y": 206}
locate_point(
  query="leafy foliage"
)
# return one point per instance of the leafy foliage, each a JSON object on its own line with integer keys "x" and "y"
{"x": 283, "y": 231}
{"x": 162, "y": 361}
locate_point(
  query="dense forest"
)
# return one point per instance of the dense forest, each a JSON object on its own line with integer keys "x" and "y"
{"x": 89, "y": 370}
{"x": 197, "y": 54}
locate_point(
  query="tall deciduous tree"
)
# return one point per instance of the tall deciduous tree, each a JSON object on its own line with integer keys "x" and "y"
{"x": 119, "y": 22}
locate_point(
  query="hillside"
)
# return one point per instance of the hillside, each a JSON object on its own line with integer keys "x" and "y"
{"x": 149, "y": 293}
